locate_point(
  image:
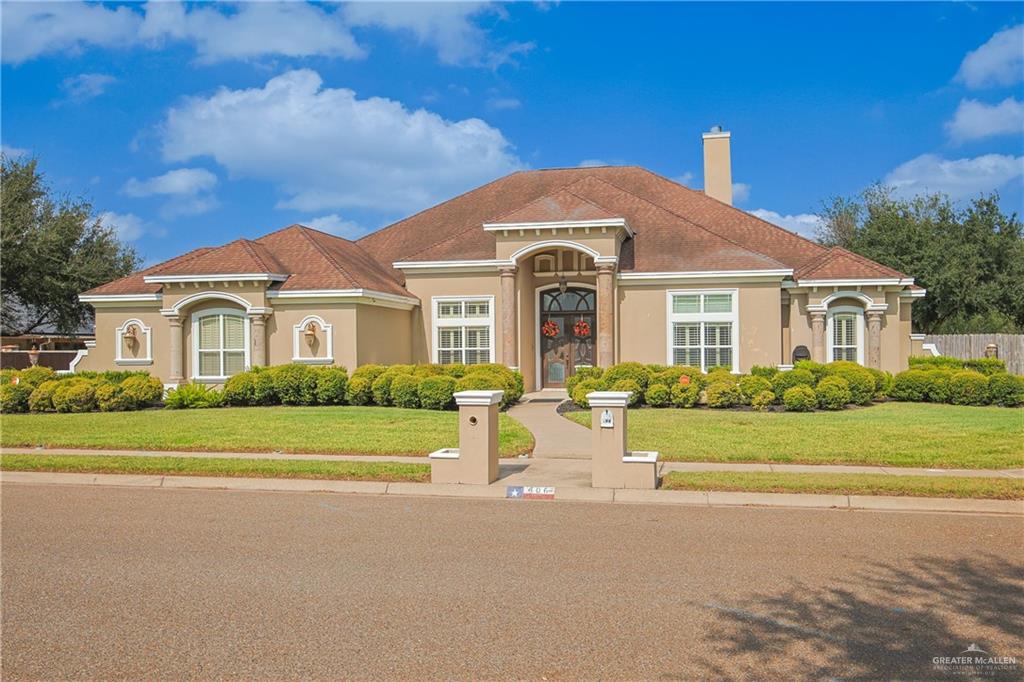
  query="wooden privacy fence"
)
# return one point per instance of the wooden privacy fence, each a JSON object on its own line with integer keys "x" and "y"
{"x": 970, "y": 346}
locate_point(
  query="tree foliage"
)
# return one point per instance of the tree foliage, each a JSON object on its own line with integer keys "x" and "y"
{"x": 969, "y": 257}
{"x": 52, "y": 249}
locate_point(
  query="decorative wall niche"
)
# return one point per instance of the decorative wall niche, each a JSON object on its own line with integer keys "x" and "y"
{"x": 313, "y": 341}
{"x": 133, "y": 343}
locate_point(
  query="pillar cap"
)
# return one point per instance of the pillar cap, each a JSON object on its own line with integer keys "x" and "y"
{"x": 478, "y": 397}
{"x": 609, "y": 398}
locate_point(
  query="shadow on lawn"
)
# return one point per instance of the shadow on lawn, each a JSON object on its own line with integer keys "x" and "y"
{"x": 888, "y": 622}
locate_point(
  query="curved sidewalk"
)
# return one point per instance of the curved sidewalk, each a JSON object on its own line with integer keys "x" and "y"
{"x": 555, "y": 437}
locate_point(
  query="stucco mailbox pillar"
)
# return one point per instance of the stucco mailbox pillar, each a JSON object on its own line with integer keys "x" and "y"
{"x": 475, "y": 461}
{"x": 612, "y": 465}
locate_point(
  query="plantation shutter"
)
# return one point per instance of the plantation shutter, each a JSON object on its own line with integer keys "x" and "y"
{"x": 209, "y": 332}
{"x": 234, "y": 333}
{"x": 478, "y": 345}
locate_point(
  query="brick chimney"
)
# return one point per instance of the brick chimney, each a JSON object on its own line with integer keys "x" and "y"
{"x": 717, "y": 165}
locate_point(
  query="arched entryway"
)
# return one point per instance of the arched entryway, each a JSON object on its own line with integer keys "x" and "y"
{"x": 567, "y": 326}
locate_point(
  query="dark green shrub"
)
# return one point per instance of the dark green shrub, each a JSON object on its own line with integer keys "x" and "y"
{"x": 833, "y": 393}
{"x": 294, "y": 384}
{"x": 986, "y": 366}
{"x": 968, "y": 388}
{"x": 192, "y": 396}
{"x": 685, "y": 395}
{"x": 436, "y": 392}
{"x": 263, "y": 389}
{"x": 751, "y": 386}
{"x": 630, "y": 386}
{"x": 720, "y": 394}
{"x": 783, "y": 381}
{"x": 817, "y": 369}
{"x": 937, "y": 387}
{"x": 33, "y": 376}
{"x": 41, "y": 399}
{"x": 359, "y": 390}
{"x": 240, "y": 390}
{"x": 764, "y": 372}
{"x": 762, "y": 401}
{"x": 75, "y": 395}
{"x": 583, "y": 374}
{"x": 671, "y": 376}
{"x": 627, "y": 370}
{"x": 382, "y": 384}
{"x": 331, "y": 384}
{"x": 579, "y": 394}
{"x": 658, "y": 395}
{"x": 860, "y": 380}
{"x": 456, "y": 370}
{"x": 1003, "y": 389}
{"x": 883, "y": 383}
{"x": 799, "y": 398}
{"x": 369, "y": 372}
{"x": 113, "y": 398}
{"x": 142, "y": 390}
{"x": 910, "y": 386}
{"x": 405, "y": 390}
{"x": 14, "y": 397}
{"x": 6, "y": 374}
{"x": 500, "y": 378}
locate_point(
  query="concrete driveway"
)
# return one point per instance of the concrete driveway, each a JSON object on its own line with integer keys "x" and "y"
{"x": 103, "y": 583}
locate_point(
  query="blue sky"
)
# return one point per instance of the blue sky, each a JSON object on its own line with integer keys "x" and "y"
{"x": 196, "y": 124}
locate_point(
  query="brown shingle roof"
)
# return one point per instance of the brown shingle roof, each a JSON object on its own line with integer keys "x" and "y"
{"x": 134, "y": 283}
{"x": 558, "y": 206}
{"x": 838, "y": 263}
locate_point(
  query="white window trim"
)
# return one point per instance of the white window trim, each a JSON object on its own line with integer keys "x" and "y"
{"x": 119, "y": 359}
{"x": 328, "y": 331}
{"x": 733, "y": 317}
{"x": 858, "y": 328}
{"x": 246, "y": 344}
{"x": 436, "y": 324}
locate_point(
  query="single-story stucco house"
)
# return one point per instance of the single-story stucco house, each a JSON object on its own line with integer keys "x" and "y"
{"x": 545, "y": 271}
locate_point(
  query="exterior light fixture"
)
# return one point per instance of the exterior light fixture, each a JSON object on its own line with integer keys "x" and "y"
{"x": 562, "y": 284}
{"x": 310, "y": 333}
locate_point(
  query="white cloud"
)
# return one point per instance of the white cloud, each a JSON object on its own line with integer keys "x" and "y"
{"x": 189, "y": 205}
{"x": 127, "y": 226}
{"x": 86, "y": 86}
{"x": 1000, "y": 61}
{"x": 180, "y": 181}
{"x": 740, "y": 192}
{"x": 500, "y": 103}
{"x": 12, "y": 152}
{"x": 685, "y": 179}
{"x": 805, "y": 224}
{"x": 326, "y": 149}
{"x": 959, "y": 178}
{"x": 337, "y": 225}
{"x": 975, "y": 120}
{"x": 33, "y": 29}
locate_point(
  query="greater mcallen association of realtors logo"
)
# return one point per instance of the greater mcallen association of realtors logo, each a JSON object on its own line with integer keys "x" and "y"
{"x": 975, "y": 661}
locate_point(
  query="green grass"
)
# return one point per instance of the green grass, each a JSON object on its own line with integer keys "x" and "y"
{"x": 847, "y": 484}
{"x": 203, "y": 466}
{"x": 336, "y": 430}
{"x": 894, "y": 434}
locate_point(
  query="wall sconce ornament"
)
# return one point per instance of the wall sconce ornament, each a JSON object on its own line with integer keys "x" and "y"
{"x": 309, "y": 332}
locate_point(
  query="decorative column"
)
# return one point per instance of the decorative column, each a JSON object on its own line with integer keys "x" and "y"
{"x": 176, "y": 375}
{"x": 874, "y": 339}
{"x": 259, "y": 339}
{"x": 509, "y": 354}
{"x": 605, "y": 314}
{"x": 818, "y": 336}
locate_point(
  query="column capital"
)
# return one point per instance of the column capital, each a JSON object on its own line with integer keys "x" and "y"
{"x": 875, "y": 315}
{"x": 817, "y": 315}
{"x": 508, "y": 270}
{"x": 605, "y": 267}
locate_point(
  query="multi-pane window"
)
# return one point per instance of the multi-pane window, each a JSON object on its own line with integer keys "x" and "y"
{"x": 464, "y": 331}
{"x": 844, "y": 337}
{"x": 220, "y": 345}
{"x": 702, "y": 330}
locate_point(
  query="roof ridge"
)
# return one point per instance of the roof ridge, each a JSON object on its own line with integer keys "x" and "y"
{"x": 867, "y": 261}
{"x": 247, "y": 244}
{"x": 557, "y": 190}
{"x": 304, "y": 231}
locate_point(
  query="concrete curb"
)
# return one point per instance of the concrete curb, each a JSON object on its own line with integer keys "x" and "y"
{"x": 497, "y": 491}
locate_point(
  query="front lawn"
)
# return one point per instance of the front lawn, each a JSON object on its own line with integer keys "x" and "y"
{"x": 847, "y": 484}
{"x": 203, "y": 466}
{"x": 335, "y": 430}
{"x": 895, "y": 434}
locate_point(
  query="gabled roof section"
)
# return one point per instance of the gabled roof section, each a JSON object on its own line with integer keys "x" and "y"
{"x": 560, "y": 206}
{"x": 135, "y": 284}
{"x": 838, "y": 264}
{"x": 241, "y": 256}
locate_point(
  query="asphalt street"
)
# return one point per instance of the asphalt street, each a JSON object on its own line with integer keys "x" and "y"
{"x": 102, "y": 583}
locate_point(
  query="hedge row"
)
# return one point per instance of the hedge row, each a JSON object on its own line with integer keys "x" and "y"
{"x": 808, "y": 386}
{"x": 959, "y": 387}
{"x": 40, "y": 389}
{"x": 986, "y": 366}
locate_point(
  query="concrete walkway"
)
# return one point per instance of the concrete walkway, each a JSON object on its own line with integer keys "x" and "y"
{"x": 556, "y": 437}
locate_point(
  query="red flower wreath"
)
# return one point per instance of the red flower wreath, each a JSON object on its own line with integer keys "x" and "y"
{"x": 581, "y": 328}
{"x": 549, "y": 329}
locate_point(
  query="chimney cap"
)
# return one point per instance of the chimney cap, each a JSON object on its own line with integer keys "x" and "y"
{"x": 716, "y": 131}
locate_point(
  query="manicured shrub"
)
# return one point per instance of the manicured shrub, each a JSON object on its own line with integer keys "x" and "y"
{"x": 783, "y": 381}
{"x": 359, "y": 390}
{"x": 860, "y": 380}
{"x": 883, "y": 383}
{"x": 583, "y": 374}
{"x": 294, "y": 384}
{"x": 263, "y": 390}
{"x": 910, "y": 386}
{"x": 764, "y": 372}
{"x": 670, "y": 376}
{"x": 1003, "y": 389}
{"x": 579, "y": 394}
{"x": 240, "y": 389}
{"x": 799, "y": 398}
{"x": 815, "y": 368}
{"x": 722, "y": 374}
{"x": 6, "y": 374}
{"x": 368, "y": 372}
{"x": 75, "y": 395}
{"x": 501, "y": 379}
{"x": 331, "y": 384}
{"x": 436, "y": 392}
{"x": 986, "y": 366}
{"x": 142, "y": 390}
{"x": 833, "y": 393}
{"x": 193, "y": 396}
{"x": 658, "y": 395}
{"x": 968, "y": 387}
{"x": 381, "y": 388}
{"x": 937, "y": 387}
{"x": 635, "y": 392}
{"x": 14, "y": 397}
{"x": 41, "y": 399}
{"x": 763, "y": 401}
{"x": 627, "y": 370}
{"x": 33, "y": 376}
{"x": 113, "y": 398}
{"x": 405, "y": 390}
{"x": 720, "y": 394}
{"x": 685, "y": 395}
{"x": 481, "y": 381}
{"x": 751, "y": 386}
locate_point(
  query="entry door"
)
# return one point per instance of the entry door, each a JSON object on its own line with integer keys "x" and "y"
{"x": 568, "y": 326}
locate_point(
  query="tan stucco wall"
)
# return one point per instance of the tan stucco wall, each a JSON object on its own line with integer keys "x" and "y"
{"x": 101, "y": 357}
{"x": 281, "y": 328}
{"x": 605, "y": 241}
{"x": 253, "y": 292}
{"x": 383, "y": 335}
